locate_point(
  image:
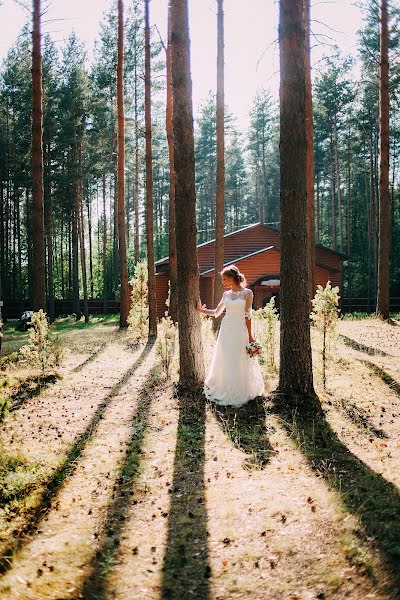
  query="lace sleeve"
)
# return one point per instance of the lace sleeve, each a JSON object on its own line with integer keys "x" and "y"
{"x": 221, "y": 307}
{"x": 249, "y": 304}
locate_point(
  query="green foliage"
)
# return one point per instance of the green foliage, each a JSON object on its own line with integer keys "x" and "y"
{"x": 267, "y": 319}
{"x": 325, "y": 314}
{"x": 42, "y": 351}
{"x": 139, "y": 311}
{"x": 263, "y": 140}
{"x": 166, "y": 343}
{"x": 4, "y": 399}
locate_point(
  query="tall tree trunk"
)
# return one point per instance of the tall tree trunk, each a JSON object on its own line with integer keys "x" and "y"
{"x": 123, "y": 321}
{"x": 39, "y": 287}
{"x": 349, "y": 271}
{"x": 115, "y": 239}
{"x": 310, "y": 174}
{"x": 136, "y": 182}
{"x": 49, "y": 234}
{"x": 81, "y": 236}
{"x": 105, "y": 286}
{"x": 337, "y": 173}
{"x": 219, "y": 226}
{"x": 191, "y": 372}
{"x": 333, "y": 196}
{"x": 383, "y": 299}
{"x": 76, "y": 307}
{"x": 89, "y": 217}
{"x": 173, "y": 298}
{"x": 295, "y": 373}
{"x": 151, "y": 281}
{"x": 318, "y": 215}
{"x": 2, "y": 265}
{"x": 62, "y": 257}
{"x": 373, "y": 217}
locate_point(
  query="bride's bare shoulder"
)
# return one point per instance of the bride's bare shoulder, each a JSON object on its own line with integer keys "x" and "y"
{"x": 248, "y": 290}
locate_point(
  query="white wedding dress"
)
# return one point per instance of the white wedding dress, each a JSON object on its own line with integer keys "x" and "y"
{"x": 234, "y": 377}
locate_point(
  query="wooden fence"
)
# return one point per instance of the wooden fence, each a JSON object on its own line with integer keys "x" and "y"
{"x": 367, "y": 305}
{"x": 13, "y": 309}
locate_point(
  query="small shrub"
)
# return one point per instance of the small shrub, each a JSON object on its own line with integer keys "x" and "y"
{"x": 325, "y": 315}
{"x": 139, "y": 311}
{"x": 42, "y": 351}
{"x": 267, "y": 319}
{"x": 4, "y": 399}
{"x": 166, "y": 342}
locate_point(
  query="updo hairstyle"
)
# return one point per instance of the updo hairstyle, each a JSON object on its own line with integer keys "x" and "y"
{"x": 236, "y": 275}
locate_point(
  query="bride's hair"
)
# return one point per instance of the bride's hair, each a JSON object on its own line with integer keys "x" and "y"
{"x": 236, "y": 275}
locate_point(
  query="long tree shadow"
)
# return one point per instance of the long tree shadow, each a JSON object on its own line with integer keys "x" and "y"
{"x": 365, "y": 493}
{"x": 247, "y": 429}
{"x": 53, "y": 484}
{"x": 95, "y": 586}
{"x": 384, "y": 376}
{"x": 186, "y": 565}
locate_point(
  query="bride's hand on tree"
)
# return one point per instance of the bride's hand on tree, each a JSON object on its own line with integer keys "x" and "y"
{"x": 199, "y": 305}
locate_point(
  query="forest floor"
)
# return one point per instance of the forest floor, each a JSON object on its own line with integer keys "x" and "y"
{"x": 113, "y": 488}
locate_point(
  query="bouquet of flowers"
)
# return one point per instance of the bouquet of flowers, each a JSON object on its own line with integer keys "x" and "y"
{"x": 253, "y": 348}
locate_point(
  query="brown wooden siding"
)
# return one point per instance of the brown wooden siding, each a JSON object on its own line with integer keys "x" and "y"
{"x": 239, "y": 244}
{"x": 322, "y": 276}
{"x": 206, "y": 291}
{"x": 161, "y": 293}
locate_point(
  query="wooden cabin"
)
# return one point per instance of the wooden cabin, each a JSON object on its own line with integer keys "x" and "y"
{"x": 255, "y": 250}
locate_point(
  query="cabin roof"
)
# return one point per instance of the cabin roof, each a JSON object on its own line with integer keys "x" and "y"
{"x": 164, "y": 260}
{"x": 261, "y": 251}
{"x": 229, "y": 262}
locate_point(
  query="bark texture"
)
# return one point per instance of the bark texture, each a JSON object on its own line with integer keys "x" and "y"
{"x": 191, "y": 362}
{"x": 295, "y": 374}
{"x": 38, "y": 267}
{"x": 382, "y": 306}
{"x": 310, "y": 175}
{"x": 124, "y": 310}
{"x": 76, "y": 307}
{"x": 105, "y": 260}
{"x": 173, "y": 300}
{"x": 48, "y": 220}
{"x": 219, "y": 223}
{"x": 149, "y": 179}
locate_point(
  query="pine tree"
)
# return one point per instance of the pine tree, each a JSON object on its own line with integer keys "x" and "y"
{"x": 149, "y": 183}
{"x": 260, "y": 140}
{"x": 121, "y": 172}
{"x": 191, "y": 372}
{"x": 39, "y": 287}
{"x": 295, "y": 373}
{"x": 173, "y": 305}
{"x": 220, "y": 181}
{"x": 383, "y": 298}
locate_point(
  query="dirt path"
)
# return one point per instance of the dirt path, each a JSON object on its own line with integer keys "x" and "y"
{"x": 171, "y": 499}
{"x": 51, "y": 564}
{"x": 51, "y": 431}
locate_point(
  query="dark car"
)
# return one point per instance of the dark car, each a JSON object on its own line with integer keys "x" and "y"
{"x": 24, "y": 321}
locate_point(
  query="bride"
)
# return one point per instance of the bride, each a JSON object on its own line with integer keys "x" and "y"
{"x": 234, "y": 377}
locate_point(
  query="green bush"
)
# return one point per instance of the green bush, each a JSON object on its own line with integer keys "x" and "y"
{"x": 139, "y": 311}
{"x": 325, "y": 315}
{"x": 266, "y": 331}
{"x": 4, "y": 399}
{"x": 166, "y": 342}
{"x": 42, "y": 351}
